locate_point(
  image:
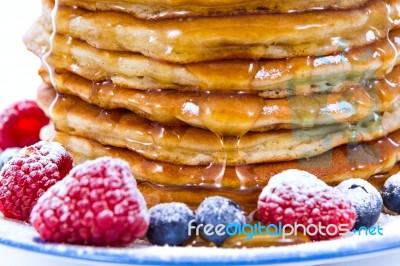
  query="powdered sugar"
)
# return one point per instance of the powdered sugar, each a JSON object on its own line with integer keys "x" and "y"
{"x": 296, "y": 180}
{"x": 111, "y": 166}
{"x": 391, "y": 193}
{"x": 271, "y": 74}
{"x": 174, "y": 213}
{"x": 394, "y": 180}
{"x": 191, "y": 108}
{"x": 361, "y": 193}
{"x": 222, "y": 207}
{"x": 96, "y": 198}
{"x": 23, "y": 236}
{"x": 52, "y": 151}
{"x": 170, "y": 224}
{"x": 330, "y": 60}
{"x": 29, "y": 174}
{"x": 298, "y": 197}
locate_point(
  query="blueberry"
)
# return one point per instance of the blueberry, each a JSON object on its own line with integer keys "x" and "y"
{"x": 391, "y": 193}
{"x": 215, "y": 211}
{"x": 7, "y": 155}
{"x": 169, "y": 224}
{"x": 365, "y": 199}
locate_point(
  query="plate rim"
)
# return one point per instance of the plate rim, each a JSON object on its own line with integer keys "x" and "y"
{"x": 195, "y": 255}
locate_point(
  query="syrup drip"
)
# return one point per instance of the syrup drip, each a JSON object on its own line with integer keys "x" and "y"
{"x": 240, "y": 116}
{"x": 208, "y": 110}
{"x": 215, "y": 116}
{"x": 111, "y": 122}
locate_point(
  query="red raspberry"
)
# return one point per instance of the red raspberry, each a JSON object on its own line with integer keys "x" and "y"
{"x": 29, "y": 174}
{"x": 20, "y": 124}
{"x": 297, "y": 197}
{"x": 98, "y": 203}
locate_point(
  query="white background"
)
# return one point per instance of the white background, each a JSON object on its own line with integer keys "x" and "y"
{"x": 19, "y": 80}
{"x": 18, "y": 71}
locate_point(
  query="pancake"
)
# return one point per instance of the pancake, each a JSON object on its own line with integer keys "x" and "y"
{"x": 163, "y": 182}
{"x": 204, "y": 39}
{"x": 193, "y": 146}
{"x": 174, "y": 108}
{"x": 160, "y": 9}
{"x": 269, "y": 78}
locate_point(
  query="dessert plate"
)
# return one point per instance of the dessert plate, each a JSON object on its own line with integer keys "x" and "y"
{"x": 22, "y": 237}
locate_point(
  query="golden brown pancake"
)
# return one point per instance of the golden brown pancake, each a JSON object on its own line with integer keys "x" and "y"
{"x": 160, "y": 9}
{"x": 174, "y": 108}
{"x": 269, "y": 78}
{"x": 194, "y": 146}
{"x": 164, "y": 182}
{"x": 202, "y": 39}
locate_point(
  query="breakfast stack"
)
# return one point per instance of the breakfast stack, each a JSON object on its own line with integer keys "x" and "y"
{"x": 206, "y": 98}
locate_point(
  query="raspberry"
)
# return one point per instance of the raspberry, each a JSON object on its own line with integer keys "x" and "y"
{"x": 98, "y": 204}
{"x": 20, "y": 124}
{"x": 296, "y": 197}
{"x": 28, "y": 175}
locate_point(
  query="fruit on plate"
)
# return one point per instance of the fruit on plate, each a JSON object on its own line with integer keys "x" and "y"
{"x": 218, "y": 212}
{"x": 97, "y": 203}
{"x": 391, "y": 193}
{"x": 169, "y": 224}
{"x": 20, "y": 124}
{"x": 298, "y": 198}
{"x": 29, "y": 174}
{"x": 366, "y": 200}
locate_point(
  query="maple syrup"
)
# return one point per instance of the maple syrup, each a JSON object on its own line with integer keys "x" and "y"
{"x": 230, "y": 112}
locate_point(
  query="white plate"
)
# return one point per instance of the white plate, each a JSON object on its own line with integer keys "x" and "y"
{"x": 22, "y": 237}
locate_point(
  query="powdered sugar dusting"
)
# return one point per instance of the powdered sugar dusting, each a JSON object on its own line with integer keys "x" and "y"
{"x": 295, "y": 179}
{"x": 222, "y": 207}
{"x": 295, "y": 196}
{"x": 174, "y": 213}
{"x": 361, "y": 193}
{"x": 271, "y": 74}
{"x": 97, "y": 203}
{"x": 393, "y": 181}
{"x": 330, "y": 60}
{"x": 191, "y": 108}
{"x": 111, "y": 166}
{"x": 52, "y": 151}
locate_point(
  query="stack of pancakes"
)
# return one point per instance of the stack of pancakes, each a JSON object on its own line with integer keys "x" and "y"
{"x": 207, "y": 98}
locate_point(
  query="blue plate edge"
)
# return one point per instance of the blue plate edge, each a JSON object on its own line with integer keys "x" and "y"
{"x": 101, "y": 256}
